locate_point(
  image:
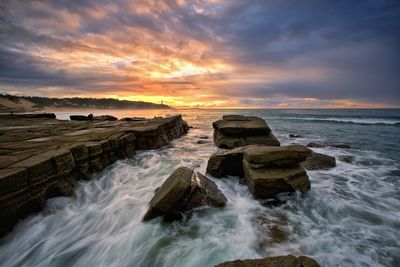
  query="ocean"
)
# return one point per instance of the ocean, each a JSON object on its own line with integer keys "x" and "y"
{"x": 351, "y": 216}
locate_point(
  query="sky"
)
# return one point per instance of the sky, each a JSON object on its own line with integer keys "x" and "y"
{"x": 205, "y": 53}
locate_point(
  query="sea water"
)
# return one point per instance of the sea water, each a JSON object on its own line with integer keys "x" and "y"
{"x": 351, "y": 216}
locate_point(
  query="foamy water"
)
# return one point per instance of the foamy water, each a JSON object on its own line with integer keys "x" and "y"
{"x": 351, "y": 216}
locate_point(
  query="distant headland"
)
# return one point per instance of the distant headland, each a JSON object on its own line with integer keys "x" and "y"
{"x": 12, "y": 103}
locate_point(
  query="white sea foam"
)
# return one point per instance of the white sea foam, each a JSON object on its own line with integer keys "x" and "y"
{"x": 349, "y": 218}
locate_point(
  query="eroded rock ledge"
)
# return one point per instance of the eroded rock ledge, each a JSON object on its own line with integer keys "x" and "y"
{"x": 41, "y": 157}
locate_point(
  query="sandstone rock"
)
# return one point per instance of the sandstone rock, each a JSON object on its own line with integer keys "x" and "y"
{"x": 267, "y": 182}
{"x": 237, "y": 130}
{"x": 340, "y": 145}
{"x": 319, "y": 161}
{"x": 313, "y": 144}
{"x": 204, "y": 192}
{"x": 272, "y": 170}
{"x": 202, "y": 142}
{"x": 277, "y": 261}
{"x": 260, "y": 156}
{"x": 105, "y": 118}
{"x": 169, "y": 198}
{"x": 183, "y": 191}
{"x": 46, "y": 158}
{"x": 229, "y": 162}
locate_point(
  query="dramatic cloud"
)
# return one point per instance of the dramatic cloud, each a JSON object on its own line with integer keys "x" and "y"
{"x": 310, "y": 53}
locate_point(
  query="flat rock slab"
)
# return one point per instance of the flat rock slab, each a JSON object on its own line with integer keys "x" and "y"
{"x": 237, "y": 130}
{"x": 238, "y": 125}
{"x": 276, "y": 156}
{"x": 278, "y": 261}
{"x": 41, "y": 157}
{"x": 183, "y": 191}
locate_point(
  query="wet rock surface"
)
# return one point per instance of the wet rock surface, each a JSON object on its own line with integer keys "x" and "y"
{"x": 340, "y": 146}
{"x": 42, "y": 158}
{"x": 237, "y": 130}
{"x": 316, "y": 145}
{"x": 260, "y": 156}
{"x": 278, "y": 261}
{"x": 269, "y": 170}
{"x": 319, "y": 161}
{"x": 346, "y": 158}
{"x": 226, "y": 162}
{"x": 183, "y": 191}
{"x": 295, "y": 136}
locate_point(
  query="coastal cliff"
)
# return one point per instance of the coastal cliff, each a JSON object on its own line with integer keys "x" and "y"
{"x": 15, "y": 103}
{"x": 42, "y": 158}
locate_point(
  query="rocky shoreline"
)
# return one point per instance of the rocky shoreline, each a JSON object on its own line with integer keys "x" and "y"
{"x": 41, "y": 157}
{"x": 253, "y": 153}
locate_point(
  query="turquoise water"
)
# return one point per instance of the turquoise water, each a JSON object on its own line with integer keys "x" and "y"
{"x": 351, "y": 216}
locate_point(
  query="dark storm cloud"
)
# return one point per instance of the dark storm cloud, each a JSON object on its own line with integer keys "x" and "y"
{"x": 355, "y": 44}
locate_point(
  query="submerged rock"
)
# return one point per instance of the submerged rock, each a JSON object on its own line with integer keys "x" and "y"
{"x": 346, "y": 158}
{"x": 224, "y": 163}
{"x": 319, "y": 161}
{"x": 295, "y": 136}
{"x": 278, "y": 261}
{"x": 272, "y": 170}
{"x": 183, "y": 191}
{"x": 316, "y": 145}
{"x": 340, "y": 145}
{"x": 237, "y": 130}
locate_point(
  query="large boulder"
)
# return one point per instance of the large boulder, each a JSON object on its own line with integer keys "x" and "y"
{"x": 319, "y": 161}
{"x": 237, "y": 130}
{"x": 278, "y": 261}
{"x": 227, "y": 162}
{"x": 272, "y": 170}
{"x": 183, "y": 191}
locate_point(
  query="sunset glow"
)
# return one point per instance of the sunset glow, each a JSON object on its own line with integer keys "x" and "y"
{"x": 211, "y": 54}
